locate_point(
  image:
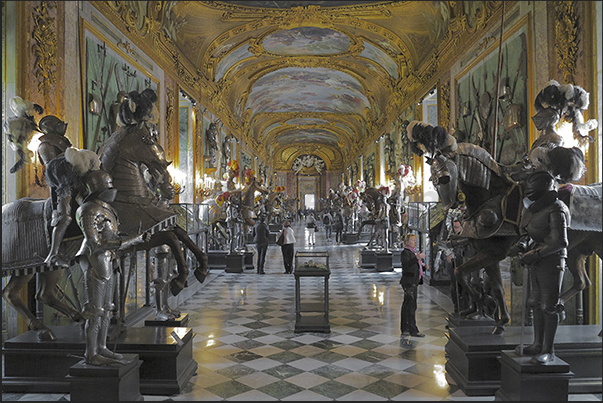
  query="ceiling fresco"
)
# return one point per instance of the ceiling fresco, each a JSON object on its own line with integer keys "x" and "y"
{"x": 306, "y": 89}
{"x": 340, "y": 72}
{"x": 306, "y": 41}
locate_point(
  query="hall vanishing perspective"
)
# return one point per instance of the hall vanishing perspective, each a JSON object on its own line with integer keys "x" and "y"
{"x": 302, "y": 200}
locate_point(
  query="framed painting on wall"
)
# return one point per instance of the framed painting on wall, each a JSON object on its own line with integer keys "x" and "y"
{"x": 475, "y": 92}
{"x": 109, "y": 74}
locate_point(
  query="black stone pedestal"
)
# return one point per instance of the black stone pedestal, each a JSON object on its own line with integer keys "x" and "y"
{"x": 383, "y": 261}
{"x": 34, "y": 366}
{"x": 180, "y": 321}
{"x": 235, "y": 263}
{"x": 248, "y": 261}
{"x": 368, "y": 260}
{"x": 456, "y": 320}
{"x": 106, "y": 383}
{"x": 275, "y": 227}
{"x": 522, "y": 381}
{"x": 396, "y": 258}
{"x": 216, "y": 259}
{"x": 350, "y": 238}
{"x": 473, "y": 356}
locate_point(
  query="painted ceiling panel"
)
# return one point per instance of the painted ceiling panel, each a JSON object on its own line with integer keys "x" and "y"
{"x": 241, "y": 53}
{"x": 380, "y": 57}
{"x": 294, "y": 89}
{"x": 306, "y": 41}
{"x": 307, "y": 136}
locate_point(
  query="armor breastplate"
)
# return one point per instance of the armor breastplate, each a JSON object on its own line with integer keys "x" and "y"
{"x": 61, "y": 143}
{"x": 538, "y": 224}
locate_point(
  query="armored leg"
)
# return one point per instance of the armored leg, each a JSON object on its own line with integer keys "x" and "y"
{"x": 61, "y": 218}
{"x": 161, "y": 283}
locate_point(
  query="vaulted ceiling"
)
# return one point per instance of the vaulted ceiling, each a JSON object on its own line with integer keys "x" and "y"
{"x": 325, "y": 78}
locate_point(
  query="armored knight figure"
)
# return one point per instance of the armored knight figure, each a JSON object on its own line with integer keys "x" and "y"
{"x": 544, "y": 248}
{"x": 53, "y": 144}
{"x": 97, "y": 256}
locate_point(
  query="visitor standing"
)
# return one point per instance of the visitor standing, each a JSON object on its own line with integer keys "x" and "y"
{"x": 287, "y": 248}
{"x": 412, "y": 273}
{"x": 338, "y": 225}
{"x": 260, "y": 237}
{"x": 327, "y": 220}
{"x": 311, "y": 228}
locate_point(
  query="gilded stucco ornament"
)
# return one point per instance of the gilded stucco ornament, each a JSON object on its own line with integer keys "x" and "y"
{"x": 444, "y": 107}
{"x": 566, "y": 38}
{"x": 45, "y": 47}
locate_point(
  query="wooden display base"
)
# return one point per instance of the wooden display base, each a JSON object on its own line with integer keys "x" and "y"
{"x": 523, "y": 381}
{"x": 275, "y": 227}
{"x": 235, "y": 263}
{"x": 368, "y": 260}
{"x": 456, "y": 320}
{"x": 34, "y": 366}
{"x": 180, "y": 321}
{"x": 396, "y": 258}
{"x": 474, "y": 352}
{"x": 383, "y": 261}
{"x": 248, "y": 260}
{"x": 216, "y": 259}
{"x": 106, "y": 383}
{"x": 350, "y": 238}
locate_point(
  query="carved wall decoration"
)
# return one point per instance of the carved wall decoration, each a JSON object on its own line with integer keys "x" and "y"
{"x": 444, "y": 105}
{"x": 45, "y": 47}
{"x": 566, "y": 38}
{"x": 308, "y": 161}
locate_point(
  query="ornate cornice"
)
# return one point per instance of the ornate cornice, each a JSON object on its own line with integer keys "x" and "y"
{"x": 566, "y": 38}
{"x": 45, "y": 47}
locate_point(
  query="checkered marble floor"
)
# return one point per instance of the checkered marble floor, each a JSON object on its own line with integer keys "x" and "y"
{"x": 247, "y": 350}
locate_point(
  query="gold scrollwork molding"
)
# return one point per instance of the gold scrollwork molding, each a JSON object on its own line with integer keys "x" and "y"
{"x": 45, "y": 47}
{"x": 566, "y": 34}
{"x": 169, "y": 115}
{"x": 444, "y": 106}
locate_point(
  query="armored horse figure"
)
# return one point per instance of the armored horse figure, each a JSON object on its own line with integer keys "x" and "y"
{"x": 136, "y": 161}
{"x": 466, "y": 174}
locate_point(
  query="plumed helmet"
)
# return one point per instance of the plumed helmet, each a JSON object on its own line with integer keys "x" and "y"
{"x": 52, "y": 125}
{"x": 538, "y": 184}
{"x": 97, "y": 181}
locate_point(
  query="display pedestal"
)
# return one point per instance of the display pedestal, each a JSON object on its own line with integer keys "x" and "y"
{"x": 522, "y": 381}
{"x": 474, "y": 352}
{"x": 235, "y": 263}
{"x": 180, "y": 321}
{"x": 275, "y": 227}
{"x": 455, "y": 320}
{"x": 368, "y": 260}
{"x": 248, "y": 260}
{"x": 34, "y": 366}
{"x": 106, "y": 383}
{"x": 396, "y": 258}
{"x": 383, "y": 261}
{"x": 350, "y": 238}
{"x": 216, "y": 259}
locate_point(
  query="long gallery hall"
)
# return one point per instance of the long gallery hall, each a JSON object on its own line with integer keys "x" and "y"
{"x": 347, "y": 200}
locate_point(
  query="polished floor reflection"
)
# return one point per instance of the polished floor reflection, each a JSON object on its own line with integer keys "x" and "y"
{"x": 246, "y": 347}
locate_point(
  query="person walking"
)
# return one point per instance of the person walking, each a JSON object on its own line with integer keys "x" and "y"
{"x": 311, "y": 228}
{"x": 287, "y": 248}
{"x": 338, "y": 225}
{"x": 327, "y": 220}
{"x": 260, "y": 237}
{"x": 412, "y": 273}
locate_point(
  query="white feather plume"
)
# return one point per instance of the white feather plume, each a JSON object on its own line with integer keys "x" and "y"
{"x": 83, "y": 161}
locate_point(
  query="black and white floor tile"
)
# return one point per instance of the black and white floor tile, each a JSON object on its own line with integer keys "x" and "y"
{"x": 246, "y": 348}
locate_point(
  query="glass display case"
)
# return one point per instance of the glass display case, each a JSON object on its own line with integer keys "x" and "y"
{"x": 312, "y": 304}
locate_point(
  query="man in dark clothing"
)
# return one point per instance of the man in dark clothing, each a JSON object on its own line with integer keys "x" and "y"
{"x": 260, "y": 237}
{"x": 338, "y": 226}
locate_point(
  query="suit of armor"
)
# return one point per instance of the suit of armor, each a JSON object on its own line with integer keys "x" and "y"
{"x": 98, "y": 258}
{"x": 53, "y": 145}
{"x": 545, "y": 221}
